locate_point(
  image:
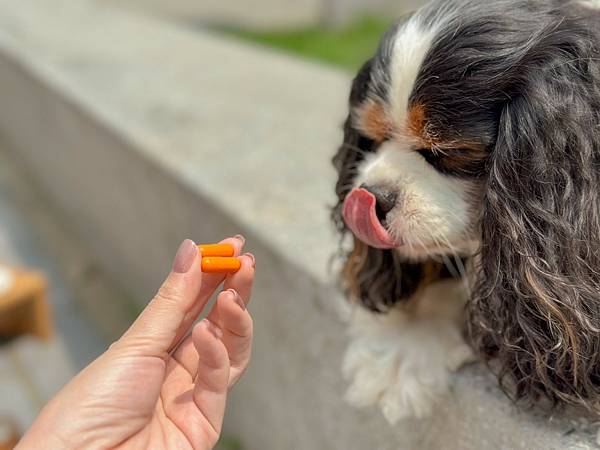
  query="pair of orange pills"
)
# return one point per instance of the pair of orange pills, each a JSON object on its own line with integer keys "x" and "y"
{"x": 218, "y": 258}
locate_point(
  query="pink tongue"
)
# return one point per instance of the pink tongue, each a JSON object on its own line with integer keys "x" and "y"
{"x": 361, "y": 218}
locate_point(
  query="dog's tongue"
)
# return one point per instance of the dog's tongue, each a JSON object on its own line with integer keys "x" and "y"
{"x": 361, "y": 218}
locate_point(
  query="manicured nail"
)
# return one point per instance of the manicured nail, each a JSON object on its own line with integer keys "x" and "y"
{"x": 241, "y": 238}
{"x": 213, "y": 329}
{"x": 251, "y": 256}
{"x": 238, "y": 299}
{"x": 185, "y": 256}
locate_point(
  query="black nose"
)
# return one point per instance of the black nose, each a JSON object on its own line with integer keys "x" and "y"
{"x": 386, "y": 199}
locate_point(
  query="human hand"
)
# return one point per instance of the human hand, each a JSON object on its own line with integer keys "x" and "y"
{"x": 146, "y": 391}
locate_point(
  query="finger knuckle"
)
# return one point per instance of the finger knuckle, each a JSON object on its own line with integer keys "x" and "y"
{"x": 244, "y": 330}
{"x": 168, "y": 293}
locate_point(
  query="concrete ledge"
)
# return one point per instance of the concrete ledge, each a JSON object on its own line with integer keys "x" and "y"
{"x": 263, "y": 13}
{"x": 269, "y": 14}
{"x": 143, "y": 134}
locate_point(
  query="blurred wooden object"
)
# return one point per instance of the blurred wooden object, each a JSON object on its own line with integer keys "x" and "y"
{"x": 24, "y": 305}
{"x": 9, "y": 437}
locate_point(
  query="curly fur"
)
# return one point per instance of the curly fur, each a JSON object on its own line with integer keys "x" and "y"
{"x": 536, "y": 301}
{"x": 537, "y": 304}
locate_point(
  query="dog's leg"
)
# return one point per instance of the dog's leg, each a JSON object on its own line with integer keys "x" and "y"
{"x": 402, "y": 360}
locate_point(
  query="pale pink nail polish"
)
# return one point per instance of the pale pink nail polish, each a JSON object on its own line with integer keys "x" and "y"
{"x": 238, "y": 299}
{"x": 251, "y": 256}
{"x": 185, "y": 256}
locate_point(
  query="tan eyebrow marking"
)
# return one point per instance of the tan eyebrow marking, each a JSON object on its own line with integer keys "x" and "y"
{"x": 417, "y": 128}
{"x": 373, "y": 120}
{"x": 416, "y": 121}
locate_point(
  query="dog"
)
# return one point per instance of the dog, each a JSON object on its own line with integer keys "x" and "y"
{"x": 469, "y": 205}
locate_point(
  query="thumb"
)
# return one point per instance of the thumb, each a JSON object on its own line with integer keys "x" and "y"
{"x": 159, "y": 325}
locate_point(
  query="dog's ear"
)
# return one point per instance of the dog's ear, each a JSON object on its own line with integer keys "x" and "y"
{"x": 537, "y": 303}
{"x": 378, "y": 279}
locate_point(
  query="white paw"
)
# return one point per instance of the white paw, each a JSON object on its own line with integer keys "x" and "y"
{"x": 402, "y": 364}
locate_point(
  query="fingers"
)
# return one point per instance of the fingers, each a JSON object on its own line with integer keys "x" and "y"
{"x": 158, "y": 327}
{"x": 211, "y": 382}
{"x": 235, "y": 323}
{"x": 178, "y": 303}
{"x": 186, "y": 356}
{"x": 210, "y": 282}
{"x": 229, "y": 313}
{"x": 243, "y": 279}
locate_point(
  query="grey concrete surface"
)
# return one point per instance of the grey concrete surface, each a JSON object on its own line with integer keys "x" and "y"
{"x": 268, "y": 14}
{"x": 32, "y": 371}
{"x": 143, "y": 134}
{"x": 89, "y": 310}
{"x": 260, "y": 14}
{"x": 343, "y": 11}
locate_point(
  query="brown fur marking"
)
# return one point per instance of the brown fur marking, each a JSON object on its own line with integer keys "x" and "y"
{"x": 418, "y": 128}
{"x": 417, "y": 124}
{"x": 374, "y": 121}
{"x": 355, "y": 263}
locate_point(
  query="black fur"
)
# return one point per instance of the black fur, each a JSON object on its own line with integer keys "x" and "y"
{"x": 537, "y": 306}
{"x": 521, "y": 80}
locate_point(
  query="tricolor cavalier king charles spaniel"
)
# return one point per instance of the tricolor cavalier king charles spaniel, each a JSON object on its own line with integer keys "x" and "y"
{"x": 469, "y": 180}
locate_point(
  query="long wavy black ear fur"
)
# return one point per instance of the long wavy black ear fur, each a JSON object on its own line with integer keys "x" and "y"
{"x": 537, "y": 303}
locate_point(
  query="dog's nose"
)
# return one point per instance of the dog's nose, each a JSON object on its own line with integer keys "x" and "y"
{"x": 386, "y": 199}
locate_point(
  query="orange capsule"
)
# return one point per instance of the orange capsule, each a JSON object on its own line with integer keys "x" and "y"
{"x": 220, "y": 264}
{"x": 216, "y": 249}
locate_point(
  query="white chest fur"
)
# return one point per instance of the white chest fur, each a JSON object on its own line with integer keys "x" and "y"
{"x": 402, "y": 360}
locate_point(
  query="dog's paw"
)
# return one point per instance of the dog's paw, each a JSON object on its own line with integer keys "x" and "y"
{"x": 402, "y": 365}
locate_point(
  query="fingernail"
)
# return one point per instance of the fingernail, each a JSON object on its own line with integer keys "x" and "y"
{"x": 185, "y": 256}
{"x": 251, "y": 256}
{"x": 238, "y": 299}
{"x": 241, "y": 238}
{"x": 213, "y": 329}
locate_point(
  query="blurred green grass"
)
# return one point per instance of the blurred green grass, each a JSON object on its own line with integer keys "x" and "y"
{"x": 229, "y": 443}
{"x": 347, "y": 47}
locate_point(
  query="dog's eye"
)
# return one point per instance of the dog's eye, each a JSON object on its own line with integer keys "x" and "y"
{"x": 366, "y": 144}
{"x": 363, "y": 145}
{"x": 458, "y": 162}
